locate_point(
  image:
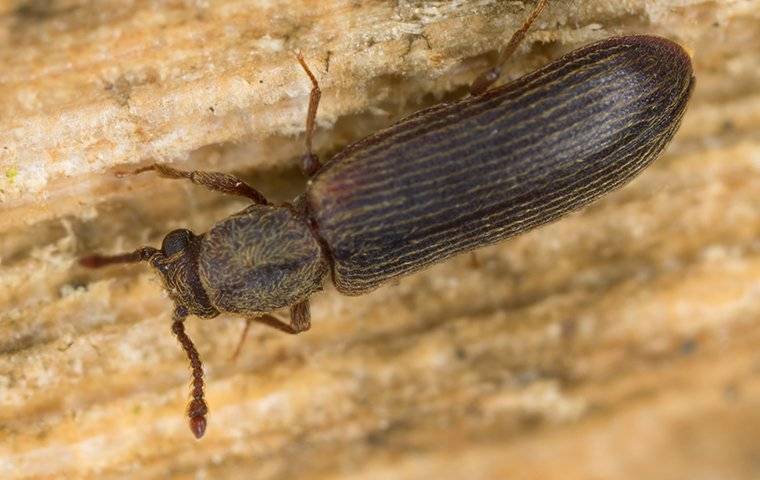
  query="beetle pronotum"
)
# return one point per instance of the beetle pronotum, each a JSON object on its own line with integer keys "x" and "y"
{"x": 444, "y": 180}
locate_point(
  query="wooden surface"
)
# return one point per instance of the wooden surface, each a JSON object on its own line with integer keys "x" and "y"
{"x": 617, "y": 343}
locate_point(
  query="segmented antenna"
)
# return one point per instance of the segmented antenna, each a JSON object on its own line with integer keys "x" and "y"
{"x": 197, "y": 408}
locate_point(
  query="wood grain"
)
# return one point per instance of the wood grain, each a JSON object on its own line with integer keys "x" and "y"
{"x": 617, "y": 343}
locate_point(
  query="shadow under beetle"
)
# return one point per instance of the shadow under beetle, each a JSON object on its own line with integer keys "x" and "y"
{"x": 447, "y": 179}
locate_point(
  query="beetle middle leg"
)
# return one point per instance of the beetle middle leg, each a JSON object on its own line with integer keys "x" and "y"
{"x": 490, "y": 76}
{"x": 300, "y": 321}
{"x": 310, "y": 163}
{"x": 215, "y": 181}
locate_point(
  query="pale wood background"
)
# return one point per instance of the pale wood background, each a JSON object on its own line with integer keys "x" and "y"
{"x": 618, "y": 343}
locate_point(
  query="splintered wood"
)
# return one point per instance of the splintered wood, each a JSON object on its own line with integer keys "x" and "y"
{"x": 617, "y": 343}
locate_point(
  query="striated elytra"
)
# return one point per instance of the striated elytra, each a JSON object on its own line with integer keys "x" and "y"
{"x": 459, "y": 176}
{"x": 448, "y": 179}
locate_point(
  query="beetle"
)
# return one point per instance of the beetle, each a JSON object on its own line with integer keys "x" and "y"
{"x": 445, "y": 180}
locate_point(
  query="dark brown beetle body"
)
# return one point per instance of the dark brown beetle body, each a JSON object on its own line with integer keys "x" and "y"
{"x": 445, "y": 180}
{"x": 458, "y": 176}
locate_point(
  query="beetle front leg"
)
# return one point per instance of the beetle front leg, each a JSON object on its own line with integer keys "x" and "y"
{"x": 300, "y": 321}
{"x": 215, "y": 181}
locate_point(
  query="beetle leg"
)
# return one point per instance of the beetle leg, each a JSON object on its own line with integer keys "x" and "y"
{"x": 216, "y": 181}
{"x": 197, "y": 409}
{"x": 300, "y": 321}
{"x": 489, "y": 77}
{"x": 239, "y": 348}
{"x": 300, "y": 316}
{"x": 276, "y": 323}
{"x": 474, "y": 260}
{"x": 310, "y": 162}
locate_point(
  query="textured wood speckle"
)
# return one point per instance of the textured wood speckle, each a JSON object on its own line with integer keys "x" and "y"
{"x": 617, "y": 343}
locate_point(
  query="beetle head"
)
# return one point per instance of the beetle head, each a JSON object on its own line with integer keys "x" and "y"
{"x": 177, "y": 264}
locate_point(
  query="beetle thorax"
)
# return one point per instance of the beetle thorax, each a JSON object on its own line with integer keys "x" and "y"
{"x": 260, "y": 259}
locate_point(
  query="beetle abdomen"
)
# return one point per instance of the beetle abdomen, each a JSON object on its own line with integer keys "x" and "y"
{"x": 459, "y": 176}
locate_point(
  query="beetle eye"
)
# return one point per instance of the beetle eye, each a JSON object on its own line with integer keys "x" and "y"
{"x": 176, "y": 241}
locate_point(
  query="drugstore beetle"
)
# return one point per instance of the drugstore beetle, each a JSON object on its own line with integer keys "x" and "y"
{"x": 445, "y": 180}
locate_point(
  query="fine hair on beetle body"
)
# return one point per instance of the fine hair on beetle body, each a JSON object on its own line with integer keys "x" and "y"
{"x": 445, "y": 180}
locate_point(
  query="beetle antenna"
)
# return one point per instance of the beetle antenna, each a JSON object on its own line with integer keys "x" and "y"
{"x": 489, "y": 77}
{"x": 140, "y": 255}
{"x": 197, "y": 408}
